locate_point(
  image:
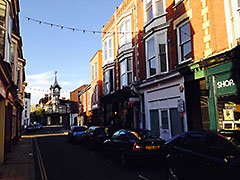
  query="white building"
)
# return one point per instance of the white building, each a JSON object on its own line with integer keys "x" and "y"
{"x": 26, "y": 110}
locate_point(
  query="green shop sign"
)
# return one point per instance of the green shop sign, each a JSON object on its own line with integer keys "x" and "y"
{"x": 226, "y": 83}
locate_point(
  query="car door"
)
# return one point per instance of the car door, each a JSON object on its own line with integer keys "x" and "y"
{"x": 121, "y": 142}
{"x": 218, "y": 151}
{"x": 187, "y": 154}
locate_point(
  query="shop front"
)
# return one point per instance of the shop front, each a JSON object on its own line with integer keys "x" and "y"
{"x": 224, "y": 95}
{"x": 121, "y": 109}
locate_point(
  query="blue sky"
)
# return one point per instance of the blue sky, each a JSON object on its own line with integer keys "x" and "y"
{"x": 48, "y": 49}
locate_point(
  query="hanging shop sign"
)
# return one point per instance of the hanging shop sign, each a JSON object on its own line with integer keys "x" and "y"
{"x": 226, "y": 83}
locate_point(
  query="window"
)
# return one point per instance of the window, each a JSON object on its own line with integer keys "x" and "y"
{"x": 126, "y": 72}
{"x": 176, "y": 1}
{"x": 159, "y": 7}
{"x": 96, "y": 70}
{"x": 108, "y": 81}
{"x": 192, "y": 142}
{"x": 96, "y": 94}
{"x": 185, "y": 42}
{"x": 105, "y": 51}
{"x": 149, "y": 10}
{"x": 162, "y": 53}
{"x": 151, "y": 59}
{"x": 122, "y": 136}
{"x": 2, "y": 26}
{"x": 108, "y": 49}
{"x": 125, "y": 33}
{"x": 164, "y": 116}
{"x": 92, "y": 72}
{"x": 218, "y": 146}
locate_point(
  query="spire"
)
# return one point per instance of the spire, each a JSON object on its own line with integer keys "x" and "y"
{"x": 55, "y": 83}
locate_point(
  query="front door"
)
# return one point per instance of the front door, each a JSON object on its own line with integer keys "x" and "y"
{"x": 164, "y": 130}
{"x": 154, "y": 119}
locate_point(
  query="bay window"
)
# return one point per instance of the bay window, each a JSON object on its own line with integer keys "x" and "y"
{"x": 126, "y": 72}
{"x": 108, "y": 49}
{"x": 151, "y": 58}
{"x": 159, "y": 7}
{"x": 96, "y": 70}
{"x": 162, "y": 52}
{"x": 125, "y": 33}
{"x": 108, "y": 81}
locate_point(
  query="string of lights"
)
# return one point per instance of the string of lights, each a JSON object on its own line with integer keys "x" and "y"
{"x": 73, "y": 29}
{"x": 43, "y": 90}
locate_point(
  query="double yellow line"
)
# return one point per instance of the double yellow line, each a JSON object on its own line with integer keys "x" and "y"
{"x": 40, "y": 161}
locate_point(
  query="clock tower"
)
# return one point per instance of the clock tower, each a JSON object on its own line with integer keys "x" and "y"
{"x": 55, "y": 94}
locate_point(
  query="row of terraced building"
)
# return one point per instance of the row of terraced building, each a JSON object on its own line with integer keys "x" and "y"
{"x": 12, "y": 76}
{"x": 167, "y": 65}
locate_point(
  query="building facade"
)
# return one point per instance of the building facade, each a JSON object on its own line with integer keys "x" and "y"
{"x": 59, "y": 111}
{"x": 96, "y": 88}
{"x": 26, "y": 110}
{"x": 123, "y": 54}
{"x": 12, "y": 75}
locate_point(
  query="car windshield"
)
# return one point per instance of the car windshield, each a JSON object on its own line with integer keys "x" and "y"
{"x": 78, "y": 129}
{"x": 146, "y": 135}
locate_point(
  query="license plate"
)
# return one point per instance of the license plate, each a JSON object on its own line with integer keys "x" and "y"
{"x": 152, "y": 147}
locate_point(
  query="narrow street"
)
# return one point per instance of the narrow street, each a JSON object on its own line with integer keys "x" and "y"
{"x": 62, "y": 159}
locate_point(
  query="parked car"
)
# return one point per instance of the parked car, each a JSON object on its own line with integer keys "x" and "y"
{"x": 76, "y": 131}
{"x": 38, "y": 126}
{"x": 30, "y": 128}
{"x": 133, "y": 146}
{"x": 201, "y": 155}
{"x": 231, "y": 135}
{"x": 94, "y": 137}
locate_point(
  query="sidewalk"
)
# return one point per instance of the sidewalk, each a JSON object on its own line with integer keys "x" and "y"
{"x": 19, "y": 162}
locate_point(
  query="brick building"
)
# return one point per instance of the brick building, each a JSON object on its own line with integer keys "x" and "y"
{"x": 12, "y": 76}
{"x": 123, "y": 54}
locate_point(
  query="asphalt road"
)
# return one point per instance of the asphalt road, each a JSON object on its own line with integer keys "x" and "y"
{"x": 57, "y": 158}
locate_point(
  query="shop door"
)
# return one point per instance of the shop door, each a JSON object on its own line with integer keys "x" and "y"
{"x": 164, "y": 130}
{"x": 154, "y": 120}
{"x": 176, "y": 122}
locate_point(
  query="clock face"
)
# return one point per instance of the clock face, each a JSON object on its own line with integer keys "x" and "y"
{"x": 56, "y": 90}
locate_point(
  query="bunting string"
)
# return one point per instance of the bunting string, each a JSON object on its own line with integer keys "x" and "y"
{"x": 73, "y": 29}
{"x": 43, "y": 90}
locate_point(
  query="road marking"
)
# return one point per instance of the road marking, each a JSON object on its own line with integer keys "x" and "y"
{"x": 142, "y": 177}
{"x": 40, "y": 161}
{"x": 42, "y": 135}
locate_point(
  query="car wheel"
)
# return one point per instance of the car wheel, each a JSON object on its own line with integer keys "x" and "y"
{"x": 172, "y": 173}
{"x": 123, "y": 160}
